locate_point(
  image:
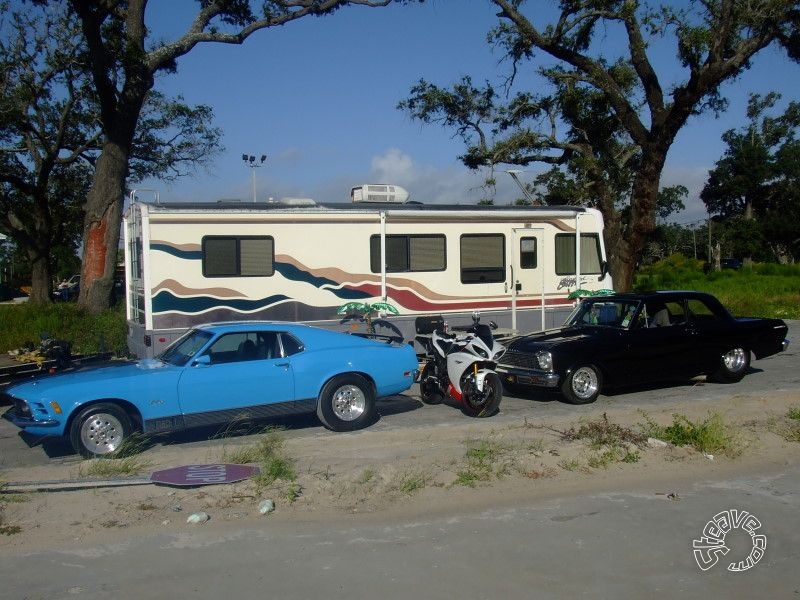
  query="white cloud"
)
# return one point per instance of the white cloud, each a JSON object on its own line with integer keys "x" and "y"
{"x": 393, "y": 166}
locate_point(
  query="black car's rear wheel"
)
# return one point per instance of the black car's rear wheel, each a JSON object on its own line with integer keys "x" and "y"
{"x": 582, "y": 384}
{"x": 732, "y": 366}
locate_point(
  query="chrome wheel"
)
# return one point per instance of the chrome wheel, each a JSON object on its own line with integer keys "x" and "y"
{"x": 735, "y": 360}
{"x": 348, "y": 402}
{"x": 585, "y": 383}
{"x": 102, "y": 433}
{"x": 582, "y": 385}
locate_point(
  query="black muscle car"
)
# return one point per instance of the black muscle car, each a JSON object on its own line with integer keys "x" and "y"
{"x": 636, "y": 338}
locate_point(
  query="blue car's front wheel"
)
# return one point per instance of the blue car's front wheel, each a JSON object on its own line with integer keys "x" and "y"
{"x": 346, "y": 403}
{"x": 99, "y": 430}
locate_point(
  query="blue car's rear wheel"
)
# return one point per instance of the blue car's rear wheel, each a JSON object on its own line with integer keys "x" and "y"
{"x": 99, "y": 430}
{"x": 346, "y": 403}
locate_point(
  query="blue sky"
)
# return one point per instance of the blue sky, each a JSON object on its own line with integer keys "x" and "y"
{"x": 319, "y": 98}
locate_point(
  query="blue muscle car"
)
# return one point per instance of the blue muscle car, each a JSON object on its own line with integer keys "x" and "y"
{"x": 218, "y": 374}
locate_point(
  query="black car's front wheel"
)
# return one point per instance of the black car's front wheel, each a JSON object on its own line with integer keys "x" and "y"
{"x": 99, "y": 430}
{"x": 733, "y": 365}
{"x": 582, "y": 384}
{"x": 346, "y": 403}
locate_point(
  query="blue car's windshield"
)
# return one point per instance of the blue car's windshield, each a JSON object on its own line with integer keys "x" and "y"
{"x": 604, "y": 313}
{"x": 185, "y": 347}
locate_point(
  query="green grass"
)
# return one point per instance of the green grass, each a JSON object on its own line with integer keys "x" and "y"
{"x": 710, "y": 435}
{"x": 483, "y": 462}
{"x": 268, "y": 453}
{"x": 762, "y": 290}
{"x": 412, "y": 482}
{"x": 113, "y": 467}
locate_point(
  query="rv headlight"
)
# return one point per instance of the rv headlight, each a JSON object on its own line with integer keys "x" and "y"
{"x": 545, "y": 360}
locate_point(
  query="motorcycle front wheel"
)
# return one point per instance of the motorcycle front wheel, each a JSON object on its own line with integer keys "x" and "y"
{"x": 477, "y": 403}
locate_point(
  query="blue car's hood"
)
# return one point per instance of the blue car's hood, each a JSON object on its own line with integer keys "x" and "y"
{"x": 548, "y": 339}
{"x": 109, "y": 376}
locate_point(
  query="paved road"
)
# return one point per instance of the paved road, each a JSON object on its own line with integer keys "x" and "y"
{"x": 627, "y": 544}
{"x": 776, "y": 373}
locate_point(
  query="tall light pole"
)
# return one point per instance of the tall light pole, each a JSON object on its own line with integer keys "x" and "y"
{"x": 250, "y": 161}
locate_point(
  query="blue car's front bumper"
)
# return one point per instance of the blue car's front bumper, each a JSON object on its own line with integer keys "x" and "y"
{"x": 22, "y": 418}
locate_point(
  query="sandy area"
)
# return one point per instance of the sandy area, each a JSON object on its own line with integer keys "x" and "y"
{"x": 398, "y": 474}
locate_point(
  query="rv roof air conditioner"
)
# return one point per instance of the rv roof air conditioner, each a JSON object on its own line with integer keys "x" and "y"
{"x": 378, "y": 192}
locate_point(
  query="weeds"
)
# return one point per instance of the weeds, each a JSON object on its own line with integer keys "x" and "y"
{"x": 367, "y": 476}
{"x": 133, "y": 445}
{"x": 6, "y": 528}
{"x": 788, "y": 427}
{"x": 412, "y": 482}
{"x": 603, "y": 432}
{"x": 112, "y": 467}
{"x": 569, "y": 464}
{"x": 610, "y": 442}
{"x": 482, "y": 456}
{"x": 269, "y": 455}
{"x": 711, "y": 435}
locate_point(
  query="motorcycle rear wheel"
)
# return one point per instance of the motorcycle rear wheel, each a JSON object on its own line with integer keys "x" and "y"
{"x": 480, "y": 404}
{"x": 429, "y": 390}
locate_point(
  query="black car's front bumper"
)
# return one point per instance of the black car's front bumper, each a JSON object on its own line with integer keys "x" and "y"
{"x": 518, "y": 376}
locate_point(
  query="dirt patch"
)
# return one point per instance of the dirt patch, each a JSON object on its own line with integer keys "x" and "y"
{"x": 373, "y": 474}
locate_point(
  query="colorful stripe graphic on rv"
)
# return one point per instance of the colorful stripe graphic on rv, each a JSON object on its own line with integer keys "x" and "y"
{"x": 165, "y": 301}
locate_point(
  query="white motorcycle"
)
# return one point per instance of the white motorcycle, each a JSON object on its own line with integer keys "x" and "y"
{"x": 460, "y": 365}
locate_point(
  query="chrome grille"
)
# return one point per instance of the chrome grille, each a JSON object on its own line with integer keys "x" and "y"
{"x": 525, "y": 360}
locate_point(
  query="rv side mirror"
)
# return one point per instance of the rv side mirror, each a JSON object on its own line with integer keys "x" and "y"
{"x": 603, "y": 270}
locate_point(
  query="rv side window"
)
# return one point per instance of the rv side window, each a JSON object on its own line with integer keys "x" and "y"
{"x": 238, "y": 256}
{"x": 405, "y": 253}
{"x": 483, "y": 258}
{"x": 565, "y": 254}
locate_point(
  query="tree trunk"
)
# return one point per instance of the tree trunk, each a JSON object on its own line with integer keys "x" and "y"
{"x": 41, "y": 278}
{"x": 643, "y": 218}
{"x": 101, "y": 229}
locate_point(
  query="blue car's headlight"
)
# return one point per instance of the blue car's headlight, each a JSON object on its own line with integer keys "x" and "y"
{"x": 545, "y": 360}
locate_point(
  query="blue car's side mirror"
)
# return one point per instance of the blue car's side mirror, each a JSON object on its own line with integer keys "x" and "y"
{"x": 203, "y": 359}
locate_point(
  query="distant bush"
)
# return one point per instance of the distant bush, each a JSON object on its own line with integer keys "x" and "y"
{"x": 674, "y": 272}
{"x": 24, "y": 323}
{"x": 760, "y": 290}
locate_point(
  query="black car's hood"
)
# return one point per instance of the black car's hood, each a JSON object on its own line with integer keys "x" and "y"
{"x": 548, "y": 339}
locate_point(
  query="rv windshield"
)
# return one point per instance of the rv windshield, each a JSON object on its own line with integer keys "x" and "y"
{"x": 185, "y": 347}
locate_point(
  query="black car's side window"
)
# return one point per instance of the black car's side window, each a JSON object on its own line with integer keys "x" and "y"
{"x": 701, "y": 312}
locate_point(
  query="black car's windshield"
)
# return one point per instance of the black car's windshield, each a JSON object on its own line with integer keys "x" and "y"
{"x": 604, "y": 313}
{"x": 185, "y": 347}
